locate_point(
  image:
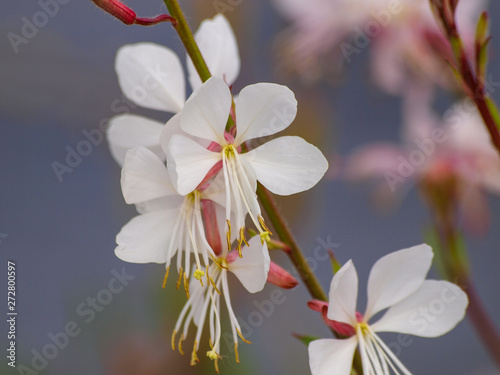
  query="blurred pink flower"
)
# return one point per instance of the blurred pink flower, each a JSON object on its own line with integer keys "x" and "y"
{"x": 453, "y": 154}
{"x": 406, "y": 41}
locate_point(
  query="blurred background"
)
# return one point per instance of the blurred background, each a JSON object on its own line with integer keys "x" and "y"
{"x": 60, "y": 233}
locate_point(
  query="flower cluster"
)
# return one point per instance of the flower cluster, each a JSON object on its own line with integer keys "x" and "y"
{"x": 194, "y": 179}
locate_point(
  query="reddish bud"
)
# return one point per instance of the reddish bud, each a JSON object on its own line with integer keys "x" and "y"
{"x": 279, "y": 277}
{"x": 117, "y": 9}
{"x": 127, "y": 16}
{"x": 342, "y": 329}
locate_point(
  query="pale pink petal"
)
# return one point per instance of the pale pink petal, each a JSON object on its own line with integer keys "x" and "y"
{"x": 343, "y": 295}
{"x": 206, "y": 112}
{"x": 372, "y": 161}
{"x": 332, "y": 356}
{"x": 151, "y": 76}
{"x": 396, "y": 276}
{"x": 219, "y": 48}
{"x": 287, "y": 165}
{"x": 188, "y": 163}
{"x": 128, "y": 131}
{"x": 433, "y": 310}
{"x": 144, "y": 239}
{"x": 253, "y": 267}
{"x": 144, "y": 177}
{"x": 263, "y": 109}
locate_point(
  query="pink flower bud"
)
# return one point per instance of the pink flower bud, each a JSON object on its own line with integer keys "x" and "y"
{"x": 342, "y": 329}
{"x": 117, "y": 9}
{"x": 127, "y": 16}
{"x": 279, "y": 277}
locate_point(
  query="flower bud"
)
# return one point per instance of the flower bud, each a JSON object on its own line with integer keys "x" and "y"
{"x": 127, "y": 16}
{"x": 342, "y": 329}
{"x": 117, "y": 9}
{"x": 279, "y": 277}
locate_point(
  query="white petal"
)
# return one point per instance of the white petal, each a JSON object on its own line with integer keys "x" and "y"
{"x": 188, "y": 163}
{"x": 160, "y": 204}
{"x": 433, "y": 310}
{"x": 343, "y": 295}
{"x": 173, "y": 126}
{"x": 216, "y": 191}
{"x": 396, "y": 276}
{"x": 219, "y": 48}
{"x": 332, "y": 356}
{"x": 144, "y": 239}
{"x": 128, "y": 131}
{"x": 151, "y": 76}
{"x": 253, "y": 268}
{"x": 287, "y": 165}
{"x": 206, "y": 111}
{"x": 144, "y": 177}
{"x": 264, "y": 109}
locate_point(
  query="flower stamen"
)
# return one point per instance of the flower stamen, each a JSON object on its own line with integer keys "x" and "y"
{"x": 164, "y": 284}
{"x": 194, "y": 357}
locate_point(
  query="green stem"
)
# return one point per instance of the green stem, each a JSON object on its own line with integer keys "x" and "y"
{"x": 285, "y": 236}
{"x": 182, "y": 28}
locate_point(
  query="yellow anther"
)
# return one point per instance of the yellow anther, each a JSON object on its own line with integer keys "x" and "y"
{"x": 241, "y": 337}
{"x": 186, "y": 285}
{"x": 241, "y": 240}
{"x": 215, "y": 287}
{"x": 194, "y": 357}
{"x": 181, "y": 340}
{"x": 179, "y": 279}
{"x": 165, "y": 278}
{"x": 236, "y": 352}
{"x": 228, "y": 235}
{"x": 261, "y": 221}
{"x": 173, "y": 339}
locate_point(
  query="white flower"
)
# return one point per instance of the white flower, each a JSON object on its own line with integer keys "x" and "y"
{"x": 204, "y": 302}
{"x": 426, "y": 308}
{"x": 285, "y": 165}
{"x": 151, "y": 76}
{"x": 169, "y": 223}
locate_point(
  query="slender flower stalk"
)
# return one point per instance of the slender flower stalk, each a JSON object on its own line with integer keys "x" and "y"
{"x": 187, "y": 38}
{"x": 471, "y": 71}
